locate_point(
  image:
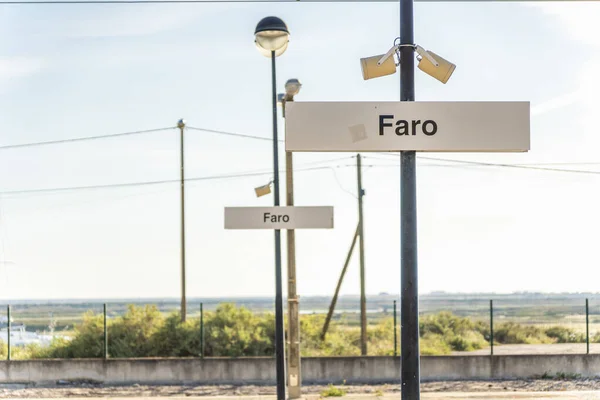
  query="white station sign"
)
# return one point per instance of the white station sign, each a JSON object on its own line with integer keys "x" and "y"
{"x": 404, "y": 126}
{"x": 279, "y": 217}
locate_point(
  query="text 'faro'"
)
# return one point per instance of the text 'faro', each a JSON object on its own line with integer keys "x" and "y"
{"x": 268, "y": 217}
{"x": 406, "y": 127}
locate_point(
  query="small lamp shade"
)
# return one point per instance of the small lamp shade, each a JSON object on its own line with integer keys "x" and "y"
{"x": 292, "y": 87}
{"x": 263, "y": 190}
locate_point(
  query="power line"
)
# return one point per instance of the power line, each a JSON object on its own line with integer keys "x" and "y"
{"x": 84, "y": 2}
{"x": 115, "y": 135}
{"x": 562, "y": 163}
{"x": 421, "y": 165}
{"x": 263, "y": 138}
{"x": 326, "y": 161}
{"x": 165, "y": 1}
{"x": 536, "y": 166}
{"x": 81, "y": 139}
{"x": 91, "y": 187}
{"x": 532, "y": 167}
{"x": 152, "y": 183}
{"x": 262, "y": 173}
{"x": 340, "y": 184}
{"x": 235, "y": 134}
{"x": 147, "y": 1}
{"x": 518, "y": 166}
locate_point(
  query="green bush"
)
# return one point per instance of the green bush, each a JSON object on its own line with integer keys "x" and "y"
{"x": 595, "y": 338}
{"x": 380, "y": 338}
{"x": 564, "y": 335}
{"x": 512, "y": 333}
{"x": 87, "y": 342}
{"x": 446, "y": 332}
{"x": 434, "y": 344}
{"x": 144, "y": 332}
{"x": 175, "y": 338}
{"x": 339, "y": 341}
{"x": 236, "y": 332}
{"x": 463, "y": 343}
{"x": 131, "y": 335}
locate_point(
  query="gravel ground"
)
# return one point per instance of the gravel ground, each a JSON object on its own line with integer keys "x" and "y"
{"x": 512, "y": 349}
{"x": 65, "y": 389}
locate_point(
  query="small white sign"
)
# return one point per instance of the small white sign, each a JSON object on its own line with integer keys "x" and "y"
{"x": 403, "y": 126}
{"x": 279, "y": 217}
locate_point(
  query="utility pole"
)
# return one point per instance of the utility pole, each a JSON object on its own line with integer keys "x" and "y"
{"x": 294, "y": 384}
{"x": 363, "y": 299}
{"x": 409, "y": 288}
{"x": 181, "y": 126}
{"x": 361, "y": 246}
{"x": 294, "y": 376}
{"x": 339, "y": 285}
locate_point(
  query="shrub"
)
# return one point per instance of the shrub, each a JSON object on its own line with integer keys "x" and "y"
{"x": 434, "y": 344}
{"x": 380, "y": 338}
{"x": 564, "y": 335}
{"x": 131, "y": 334}
{"x": 512, "y": 333}
{"x": 339, "y": 341}
{"x": 87, "y": 342}
{"x": 333, "y": 391}
{"x": 236, "y": 332}
{"x": 175, "y": 338}
{"x": 446, "y": 332}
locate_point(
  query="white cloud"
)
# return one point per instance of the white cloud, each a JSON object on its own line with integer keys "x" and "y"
{"x": 580, "y": 20}
{"x": 19, "y": 67}
{"x": 134, "y": 21}
{"x": 589, "y": 82}
{"x": 556, "y": 103}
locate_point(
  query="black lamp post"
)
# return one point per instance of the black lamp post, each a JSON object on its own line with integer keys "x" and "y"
{"x": 271, "y": 38}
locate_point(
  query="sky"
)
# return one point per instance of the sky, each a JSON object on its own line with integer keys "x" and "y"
{"x": 69, "y": 71}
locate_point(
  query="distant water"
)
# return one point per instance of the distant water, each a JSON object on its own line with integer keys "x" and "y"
{"x": 324, "y": 311}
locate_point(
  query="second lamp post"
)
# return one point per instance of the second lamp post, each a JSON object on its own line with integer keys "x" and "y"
{"x": 271, "y": 38}
{"x": 292, "y": 87}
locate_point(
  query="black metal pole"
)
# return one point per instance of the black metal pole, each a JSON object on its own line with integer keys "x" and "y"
{"x": 201, "y": 330}
{"x": 279, "y": 335}
{"x": 492, "y": 327}
{"x": 395, "y": 332}
{"x": 587, "y": 327}
{"x": 8, "y": 326}
{"x": 105, "y": 350}
{"x": 409, "y": 298}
